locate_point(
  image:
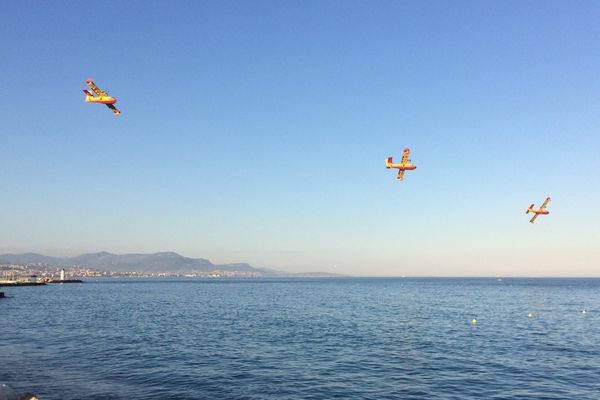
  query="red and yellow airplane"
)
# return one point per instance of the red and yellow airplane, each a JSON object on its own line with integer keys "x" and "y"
{"x": 404, "y": 165}
{"x": 101, "y": 97}
{"x": 541, "y": 211}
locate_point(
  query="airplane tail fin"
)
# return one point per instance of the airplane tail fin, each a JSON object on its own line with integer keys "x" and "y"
{"x": 388, "y": 162}
{"x": 88, "y": 94}
{"x": 529, "y": 208}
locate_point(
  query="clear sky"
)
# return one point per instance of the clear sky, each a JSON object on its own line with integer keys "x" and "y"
{"x": 257, "y": 131}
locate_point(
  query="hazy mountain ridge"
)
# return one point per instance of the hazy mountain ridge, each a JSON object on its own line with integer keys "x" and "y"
{"x": 167, "y": 262}
{"x": 31, "y": 258}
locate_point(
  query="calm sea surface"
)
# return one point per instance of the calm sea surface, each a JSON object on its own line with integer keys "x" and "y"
{"x": 304, "y": 339}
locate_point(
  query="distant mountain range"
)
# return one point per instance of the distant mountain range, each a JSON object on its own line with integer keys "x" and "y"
{"x": 167, "y": 262}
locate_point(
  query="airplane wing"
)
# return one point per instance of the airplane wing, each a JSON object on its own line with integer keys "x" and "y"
{"x": 405, "y": 156}
{"x": 400, "y": 175}
{"x": 545, "y": 203}
{"x": 114, "y": 109}
{"x": 533, "y": 219}
{"x": 95, "y": 88}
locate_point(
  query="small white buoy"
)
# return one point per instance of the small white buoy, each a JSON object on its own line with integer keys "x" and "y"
{"x": 473, "y": 321}
{"x": 530, "y": 315}
{"x": 584, "y": 311}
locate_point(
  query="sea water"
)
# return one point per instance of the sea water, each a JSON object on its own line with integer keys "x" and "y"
{"x": 321, "y": 338}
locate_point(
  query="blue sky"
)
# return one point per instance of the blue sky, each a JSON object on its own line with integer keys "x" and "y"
{"x": 257, "y": 131}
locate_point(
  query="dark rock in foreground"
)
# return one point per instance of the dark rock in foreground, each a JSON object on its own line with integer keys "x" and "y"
{"x": 8, "y": 393}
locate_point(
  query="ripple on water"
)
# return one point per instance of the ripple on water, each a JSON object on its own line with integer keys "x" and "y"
{"x": 304, "y": 339}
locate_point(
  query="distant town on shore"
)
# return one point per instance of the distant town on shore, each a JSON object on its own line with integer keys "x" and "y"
{"x": 28, "y": 266}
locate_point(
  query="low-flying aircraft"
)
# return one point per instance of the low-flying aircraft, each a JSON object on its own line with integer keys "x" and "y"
{"x": 100, "y": 97}
{"x": 404, "y": 165}
{"x": 541, "y": 211}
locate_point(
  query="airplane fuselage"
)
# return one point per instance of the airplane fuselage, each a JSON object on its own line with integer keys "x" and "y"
{"x": 402, "y": 167}
{"x": 101, "y": 99}
{"x": 538, "y": 212}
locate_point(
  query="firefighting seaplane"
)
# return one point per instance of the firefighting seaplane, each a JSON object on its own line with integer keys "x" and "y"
{"x": 541, "y": 211}
{"x": 404, "y": 165}
{"x": 100, "y": 97}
